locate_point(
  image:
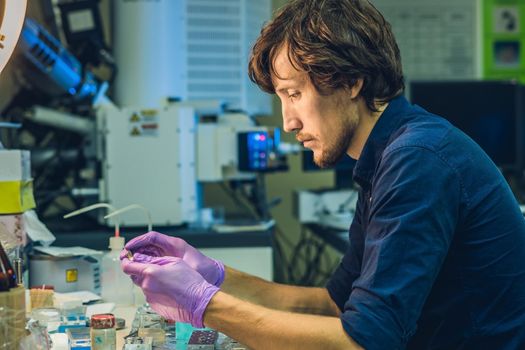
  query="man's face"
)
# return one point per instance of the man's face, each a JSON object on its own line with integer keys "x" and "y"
{"x": 324, "y": 124}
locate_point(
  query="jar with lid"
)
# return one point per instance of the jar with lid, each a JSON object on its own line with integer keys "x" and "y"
{"x": 103, "y": 332}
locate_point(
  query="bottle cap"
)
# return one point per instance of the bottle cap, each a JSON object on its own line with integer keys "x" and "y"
{"x": 103, "y": 321}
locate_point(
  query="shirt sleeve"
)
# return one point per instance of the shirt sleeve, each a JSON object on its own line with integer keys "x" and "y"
{"x": 414, "y": 206}
{"x": 340, "y": 283}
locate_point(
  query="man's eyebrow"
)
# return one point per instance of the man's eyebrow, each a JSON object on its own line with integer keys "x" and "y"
{"x": 283, "y": 89}
{"x": 289, "y": 84}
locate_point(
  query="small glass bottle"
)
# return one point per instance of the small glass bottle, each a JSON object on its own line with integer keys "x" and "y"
{"x": 103, "y": 332}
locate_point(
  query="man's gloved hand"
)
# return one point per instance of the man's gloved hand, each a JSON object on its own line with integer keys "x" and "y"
{"x": 172, "y": 288}
{"x": 157, "y": 245}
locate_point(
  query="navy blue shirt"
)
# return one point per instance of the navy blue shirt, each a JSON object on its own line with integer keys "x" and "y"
{"x": 437, "y": 245}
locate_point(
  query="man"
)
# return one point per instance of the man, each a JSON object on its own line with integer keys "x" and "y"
{"x": 437, "y": 244}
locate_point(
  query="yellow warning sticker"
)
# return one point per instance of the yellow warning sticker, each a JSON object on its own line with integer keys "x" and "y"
{"x": 71, "y": 275}
{"x": 135, "y": 118}
{"x": 135, "y": 131}
{"x": 144, "y": 123}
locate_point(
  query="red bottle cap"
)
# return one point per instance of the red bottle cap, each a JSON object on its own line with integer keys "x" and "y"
{"x": 103, "y": 321}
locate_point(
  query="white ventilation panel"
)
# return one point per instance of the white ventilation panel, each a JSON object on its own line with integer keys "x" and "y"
{"x": 191, "y": 49}
{"x": 220, "y": 35}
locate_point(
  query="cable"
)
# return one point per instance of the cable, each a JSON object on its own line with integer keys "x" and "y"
{"x": 307, "y": 251}
{"x": 295, "y": 256}
{"x": 279, "y": 235}
{"x": 313, "y": 268}
{"x": 282, "y": 259}
{"x": 240, "y": 201}
{"x": 315, "y": 250}
{"x": 298, "y": 253}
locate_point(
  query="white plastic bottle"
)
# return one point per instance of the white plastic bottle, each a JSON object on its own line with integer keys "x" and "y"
{"x": 116, "y": 286}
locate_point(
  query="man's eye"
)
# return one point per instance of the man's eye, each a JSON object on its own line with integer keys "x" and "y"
{"x": 294, "y": 95}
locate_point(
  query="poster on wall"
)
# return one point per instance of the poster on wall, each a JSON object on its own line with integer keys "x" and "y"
{"x": 504, "y": 39}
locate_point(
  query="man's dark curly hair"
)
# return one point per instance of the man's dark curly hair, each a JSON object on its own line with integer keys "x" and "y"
{"x": 336, "y": 42}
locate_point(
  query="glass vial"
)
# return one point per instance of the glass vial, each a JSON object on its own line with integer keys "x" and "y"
{"x": 103, "y": 332}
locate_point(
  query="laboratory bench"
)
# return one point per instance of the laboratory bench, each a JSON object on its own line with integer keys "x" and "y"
{"x": 128, "y": 314}
{"x": 340, "y": 239}
{"x": 184, "y": 332}
{"x": 200, "y": 238}
{"x": 248, "y": 251}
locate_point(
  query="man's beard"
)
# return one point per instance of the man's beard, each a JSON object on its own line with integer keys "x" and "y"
{"x": 334, "y": 151}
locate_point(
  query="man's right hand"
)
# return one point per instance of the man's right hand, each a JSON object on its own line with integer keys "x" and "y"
{"x": 156, "y": 244}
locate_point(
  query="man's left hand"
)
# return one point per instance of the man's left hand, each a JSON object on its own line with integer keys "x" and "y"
{"x": 172, "y": 288}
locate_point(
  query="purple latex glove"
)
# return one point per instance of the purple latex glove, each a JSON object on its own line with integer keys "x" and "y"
{"x": 172, "y": 288}
{"x": 158, "y": 245}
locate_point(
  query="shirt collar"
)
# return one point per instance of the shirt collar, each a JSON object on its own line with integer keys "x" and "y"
{"x": 389, "y": 121}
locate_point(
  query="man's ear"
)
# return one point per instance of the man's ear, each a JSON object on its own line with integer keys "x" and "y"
{"x": 356, "y": 88}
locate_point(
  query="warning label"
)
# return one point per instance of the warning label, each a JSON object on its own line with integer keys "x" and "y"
{"x": 71, "y": 275}
{"x": 144, "y": 123}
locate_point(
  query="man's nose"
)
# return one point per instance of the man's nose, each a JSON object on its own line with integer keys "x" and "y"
{"x": 290, "y": 122}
